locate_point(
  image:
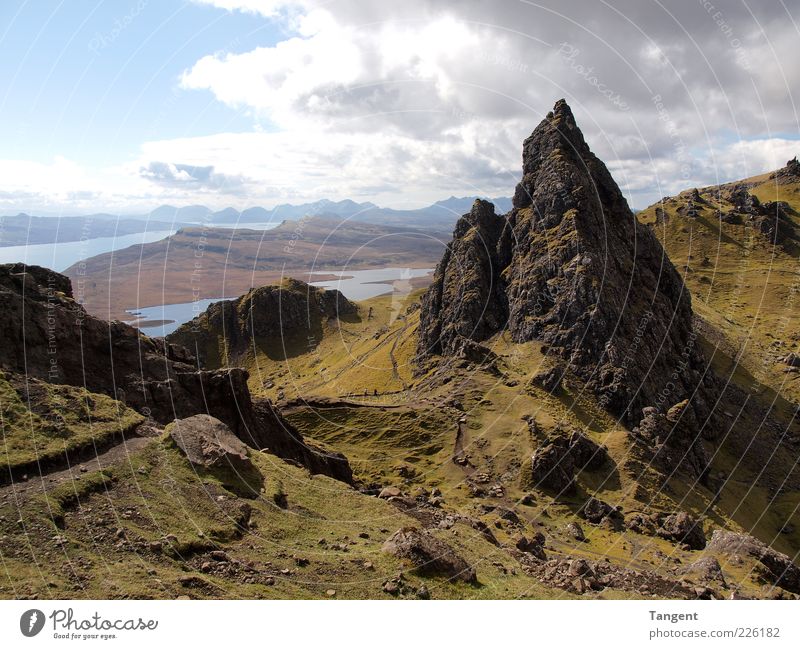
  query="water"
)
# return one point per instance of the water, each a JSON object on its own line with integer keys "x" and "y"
{"x": 364, "y": 284}
{"x": 354, "y": 284}
{"x": 60, "y": 256}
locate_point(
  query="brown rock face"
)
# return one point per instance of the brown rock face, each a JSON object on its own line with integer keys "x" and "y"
{"x": 47, "y": 335}
{"x": 291, "y": 312}
{"x": 570, "y": 266}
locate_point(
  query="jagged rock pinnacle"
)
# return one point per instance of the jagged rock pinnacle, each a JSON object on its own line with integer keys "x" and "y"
{"x": 570, "y": 266}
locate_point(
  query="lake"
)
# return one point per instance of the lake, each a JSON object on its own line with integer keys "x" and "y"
{"x": 354, "y": 284}
{"x": 60, "y": 256}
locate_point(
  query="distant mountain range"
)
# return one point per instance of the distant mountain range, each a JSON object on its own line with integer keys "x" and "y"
{"x": 23, "y": 229}
{"x": 441, "y": 213}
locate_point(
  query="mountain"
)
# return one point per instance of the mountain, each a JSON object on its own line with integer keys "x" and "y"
{"x": 187, "y": 214}
{"x": 560, "y": 268}
{"x": 584, "y": 404}
{"x": 737, "y": 247}
{"x": 324, "y": 207}
{"x": 23, "y": 229}
{"x": 441, "y": 215}
{"x": 461, "y": 205}
{"x": 255, "y": 214}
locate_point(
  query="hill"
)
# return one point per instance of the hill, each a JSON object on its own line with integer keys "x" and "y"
{"x": 736, "y": 246}
{"x": 200, "y": 262}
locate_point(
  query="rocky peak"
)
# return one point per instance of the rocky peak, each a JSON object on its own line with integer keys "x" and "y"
{"x": 292, "y": 310}
{"x": 455, "y": 312}
{"x": 570, "y": 266}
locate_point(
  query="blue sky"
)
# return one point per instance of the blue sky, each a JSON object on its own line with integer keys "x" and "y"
{"x": 101, "y": 77}
{"x": 125, "y": 105}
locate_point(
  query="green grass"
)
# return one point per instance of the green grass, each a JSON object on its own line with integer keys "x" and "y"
{"x": 160, "y": 494}
{"x": 57, "y": 420}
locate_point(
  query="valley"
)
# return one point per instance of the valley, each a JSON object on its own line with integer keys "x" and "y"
{"x": 583, "y": 403}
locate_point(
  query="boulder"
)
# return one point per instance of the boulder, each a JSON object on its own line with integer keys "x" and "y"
{"x": 207, "y": 442}
{"x": 552, "y": 468}
{"x": 560, "y": 456}
{"x": 673, "y": 441}
{"x": 792, "y": 359}
{"x": 707, "y": 569}
{"x": 533, "y": 546}
{"x": 390, "y": 492}
{"x": 642, "y": 523}
{"x": 429, "y": 555}
{"x": 596, "y": 511}
{"x": 575, "y": 531}
{"x": 682, "y": 528}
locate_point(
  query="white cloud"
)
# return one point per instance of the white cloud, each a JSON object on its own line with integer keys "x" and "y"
{"x": 403, "y": 103}
{"x": 266, "y": 8}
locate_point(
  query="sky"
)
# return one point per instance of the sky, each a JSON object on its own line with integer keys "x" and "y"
{"x": 125, "y": 105}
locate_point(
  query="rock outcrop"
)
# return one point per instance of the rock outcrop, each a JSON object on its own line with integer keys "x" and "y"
{"x": 571, "y": 266}
{"x": 673, "y": 440}
{"x": 279, "y": 316}
{"x": 47, "y": 334}
{"x": 560, "y": 456}
{"x": 776, "y": 568}
{"x": 429, "y": 555}
{"x": 682, "y": 528}
{"x": 207, "y": 442}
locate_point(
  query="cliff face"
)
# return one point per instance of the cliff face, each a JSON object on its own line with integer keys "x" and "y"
{"x": 571, "y": 266}
{"x": 47, "y": 335}
{"x": 279, "y": 315}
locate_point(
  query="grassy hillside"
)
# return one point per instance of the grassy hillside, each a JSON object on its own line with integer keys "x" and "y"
{"x": 155, "y": 528}
{"x": 743, "y": 283}
{"x": 42, "y": 424}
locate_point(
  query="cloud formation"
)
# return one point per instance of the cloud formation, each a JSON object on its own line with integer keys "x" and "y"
{"x": 404, "y": 103}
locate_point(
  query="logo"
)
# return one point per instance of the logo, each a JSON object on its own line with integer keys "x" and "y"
{"x": 31, "y": 622}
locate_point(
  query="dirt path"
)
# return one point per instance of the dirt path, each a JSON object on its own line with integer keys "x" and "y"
{"x": 20, "y": 491}
{"x": 458, "y": 452}
{"x": 395, "y": 373}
